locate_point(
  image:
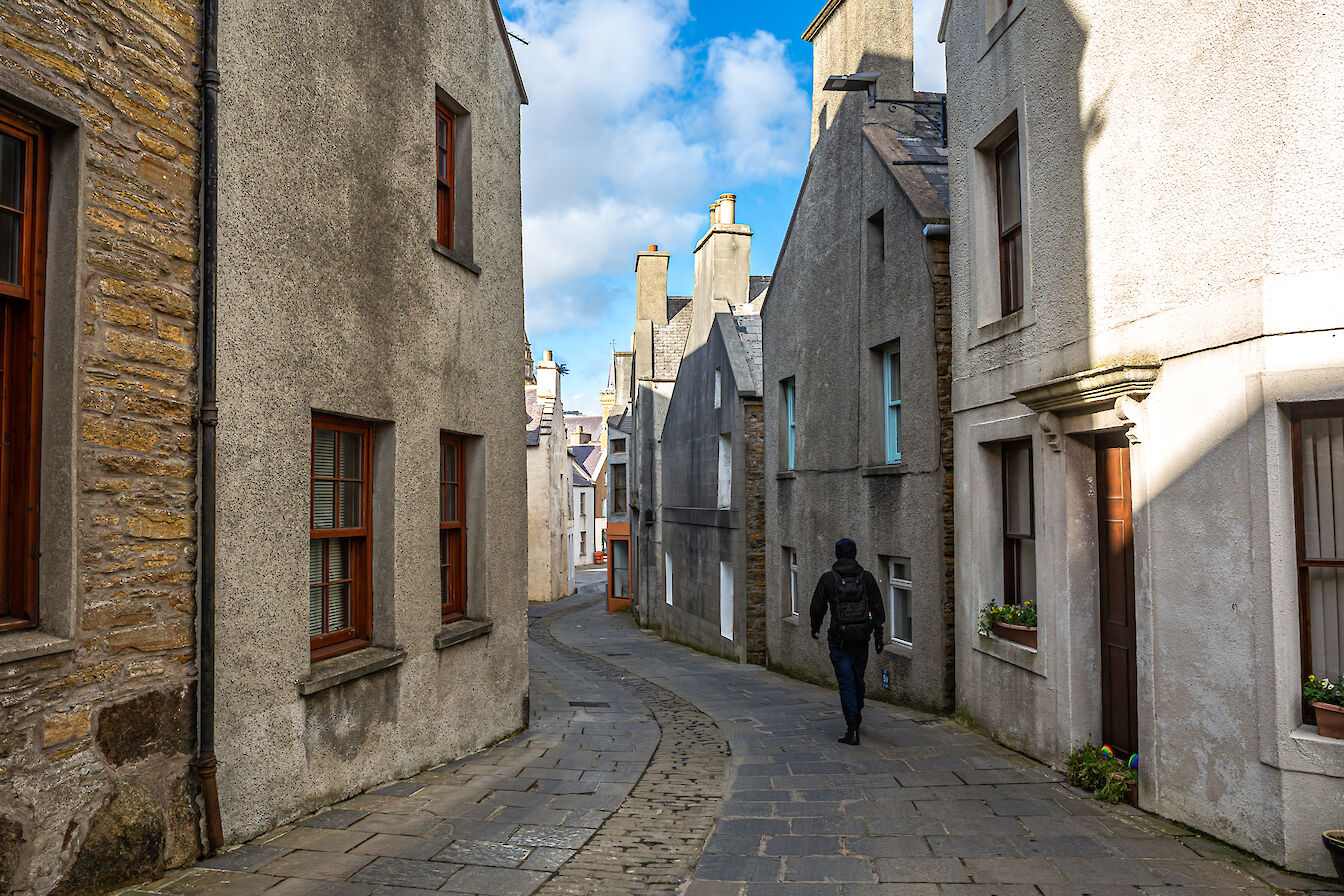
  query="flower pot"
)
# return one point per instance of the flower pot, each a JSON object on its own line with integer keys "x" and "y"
{"x": 1018, "y": 634}
{"x": 1329, "y": 720}
{"x": 1334, "y": 844}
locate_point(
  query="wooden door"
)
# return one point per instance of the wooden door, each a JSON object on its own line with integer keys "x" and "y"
{"x": 1119, "y": 668}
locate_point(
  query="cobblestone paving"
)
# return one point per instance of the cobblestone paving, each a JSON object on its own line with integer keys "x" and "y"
{"x": 626, "y": 784}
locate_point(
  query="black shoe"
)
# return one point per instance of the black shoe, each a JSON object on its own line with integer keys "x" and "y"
{"x": 851, "y": 737}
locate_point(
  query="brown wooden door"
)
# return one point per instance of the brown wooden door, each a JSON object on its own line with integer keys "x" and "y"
{"x": 1119, "y": 670}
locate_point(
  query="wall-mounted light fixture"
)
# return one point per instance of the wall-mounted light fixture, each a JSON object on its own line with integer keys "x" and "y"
{"x": 934, "y": 111}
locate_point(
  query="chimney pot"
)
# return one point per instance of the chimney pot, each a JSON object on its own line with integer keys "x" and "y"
{"x": 727, "y": 206}
{"x": 653, "y": 248}
{"x": 547, "y": 357}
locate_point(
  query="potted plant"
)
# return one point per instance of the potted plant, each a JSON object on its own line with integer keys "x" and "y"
{"x": 1327, "y": 698}
{"x": 1016, "y": 623}
{"x": 1334, "y": 844}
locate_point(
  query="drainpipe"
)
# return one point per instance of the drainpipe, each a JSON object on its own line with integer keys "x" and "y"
{"x": 209, "y": 415}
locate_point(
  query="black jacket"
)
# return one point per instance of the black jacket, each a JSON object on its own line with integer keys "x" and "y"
{"x": 823, "y": 597}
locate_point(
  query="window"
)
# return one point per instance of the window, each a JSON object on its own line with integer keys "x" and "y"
{"x": 891, "y": 401}
{"x": 725, "y": 472}
{"x": 1318, "y": 469}
{"x": 791, "y": 560}
{"x": 718, "y": 387}
{"x": 899, "y": 592}
{"x": 1019, "y": 524}
{"x": 1008, "y": 188}
{"x": 875, "y": 238}
{"x": 618, "y": 446}
{"x": 726, "y": 599}
{"x": 667, "y": 560}
{"x": 583, "y": 543}
{"x": 789, "y": 387}
{"x": 583, "y": 504}
{"x": 23, "y": 198}
{"x": 618, "y": 488}
{"x": 452, "y": 527}
{"x": 445, "y": 150}
{"x": 339, "y": 609}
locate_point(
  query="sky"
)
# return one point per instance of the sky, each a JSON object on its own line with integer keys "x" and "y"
{"x": 641, "y": 113}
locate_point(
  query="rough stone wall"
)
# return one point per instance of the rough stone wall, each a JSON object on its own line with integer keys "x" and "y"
{"x": 936, "y": 257}
{"x": 96, "y": 735}
{"x": 753, "y": 439}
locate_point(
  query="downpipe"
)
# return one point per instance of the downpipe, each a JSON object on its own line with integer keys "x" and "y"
{"x": 205, "y": 763}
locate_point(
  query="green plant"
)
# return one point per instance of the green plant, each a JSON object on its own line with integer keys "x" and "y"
{"x": 1323, "y": 690}
{"x": 1092, "y": 768}
{"x": 1011, "y": 614}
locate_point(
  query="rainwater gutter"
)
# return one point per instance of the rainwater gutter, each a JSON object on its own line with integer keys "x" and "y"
{"x": 206, "y": 763}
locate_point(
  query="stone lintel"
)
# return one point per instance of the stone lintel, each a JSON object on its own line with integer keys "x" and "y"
{"x": 1080, "y": 393}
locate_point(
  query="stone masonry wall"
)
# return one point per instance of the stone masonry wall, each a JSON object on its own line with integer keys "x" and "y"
{"x": 753, "y": 438}
{"x": 936, "y": 258}
{"x": 96, "y": 737}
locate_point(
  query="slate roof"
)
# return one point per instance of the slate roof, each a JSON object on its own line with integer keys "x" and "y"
{"x": 758, "y": 286}
{"x": 669, "y": 342}
{"x": 587, "y": 457}
{"x": 579, "y": 476}
{"x": 591, "y": 425}
{"x": 749, "y": 332}
{"x": 918, "y": 163}
{"x": 540, "y": 415}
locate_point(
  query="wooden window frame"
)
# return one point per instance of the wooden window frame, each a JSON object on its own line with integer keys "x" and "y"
{"x": 21, "y": 337}
{"x": 445, "y": 145}
{"x": 453, "y": 533}
{"x": 1012, "y": 541}
{"x": 1010, "y": 237}
{"x": 790, "y": 422}
{"x": 891, "y": 414}
{"x": 617, "y": 446}
{"x": 360, "y": 631}
{"x": 622, "y": 489}
{"x": 1313, "y": 410}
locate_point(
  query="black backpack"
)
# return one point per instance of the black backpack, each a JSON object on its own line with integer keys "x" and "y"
{"x": 853, "y": 622}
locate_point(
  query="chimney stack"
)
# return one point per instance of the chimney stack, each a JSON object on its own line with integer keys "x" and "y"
{"x": 727, "y": 209}
{"x": 651, "y": 286}
{"x": 578, "y": 436}
{"x": 548, "y": 377}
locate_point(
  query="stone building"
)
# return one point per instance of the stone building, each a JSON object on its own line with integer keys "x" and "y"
{"x": 99, "y": 156}
{"x": 1149, "y": 394}
{"x": 618, "y": 480}
{"x": 585, "y": 455}
{"x": 857, "y": 366}
{"x": 700, "y": 536}
{"x": 550, "y": 496}
{"x": 370, "y": 614}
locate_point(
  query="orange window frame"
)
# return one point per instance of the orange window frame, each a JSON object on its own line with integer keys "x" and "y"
{"x": 359, "y": 633}
{"x": 445, "y": 138}
{"x": 452, "y": 526}
{"x": 21, "y": 331}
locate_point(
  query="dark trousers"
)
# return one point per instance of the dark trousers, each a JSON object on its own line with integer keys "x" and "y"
{"x": 850, "y": 662}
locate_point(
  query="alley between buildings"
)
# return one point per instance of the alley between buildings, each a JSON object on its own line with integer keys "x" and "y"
{"x": 651, "y": 768}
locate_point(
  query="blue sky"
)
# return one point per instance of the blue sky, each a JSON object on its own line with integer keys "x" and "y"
{"x": 642, "y": 112}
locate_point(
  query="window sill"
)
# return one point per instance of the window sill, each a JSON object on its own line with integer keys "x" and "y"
{"x": 461, "y": 631}
{"x": 898, "y": 648}
{"x": 347, "y": 667}
{"x": 27, "y": 644}
{"x": 786, "y": 474}
{"x": 1005, "y": 21}
{"x": 1003, "y": 326}
{"x": 900, "y": 468}
{"x": 455, "y": 257}
{"x": 1315, "y": 754}
{"x": 1013, "y": 654}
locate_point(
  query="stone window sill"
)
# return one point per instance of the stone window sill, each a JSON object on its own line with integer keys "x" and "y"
{"x": 461, "y": 631}
{"x": 1316, "y": 754}
{"x": 17, "y": 646}
{"x": 786, "y": 474}
{"x": 455, "y": 257}
{"x": 1013, "y": 654}
{"x": 895, "y": 649}
{"x": 900, "y": 468}
{"x": 1003, "y": 326}
{"x": 345, "y": 668}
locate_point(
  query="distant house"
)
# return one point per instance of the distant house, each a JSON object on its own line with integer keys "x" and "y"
{"x": 700, "y": 529}
{"x": 550, "y": 516}
{"x": 585, "y": 454}
{"x": 617, "y": 479}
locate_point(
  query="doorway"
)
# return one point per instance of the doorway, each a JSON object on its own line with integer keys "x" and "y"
{"x": 618, "y": 568}
{"x": 1119, "y": 666}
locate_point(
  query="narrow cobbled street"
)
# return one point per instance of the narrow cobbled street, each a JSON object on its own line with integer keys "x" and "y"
{"x": 651, "y": 768}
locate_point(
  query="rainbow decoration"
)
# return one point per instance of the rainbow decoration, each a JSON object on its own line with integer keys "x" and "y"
{"x": 1134, "y": 761}
{"x": 1107, "y": 752}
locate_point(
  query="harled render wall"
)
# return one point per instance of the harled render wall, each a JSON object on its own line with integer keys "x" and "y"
{"x": 332, "y": 299}
{"x": 97, "y": 705}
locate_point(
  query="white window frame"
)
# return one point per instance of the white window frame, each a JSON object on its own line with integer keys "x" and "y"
{"x": 718, "y": 388}
{"x": 895, "y": 585}
{"x": 891, "y": 403}
{"x": 726, "y": 599}
{"x": 725, "y": 482}
{"x": 793, "y": 581}
{"x": 667, "y": 558}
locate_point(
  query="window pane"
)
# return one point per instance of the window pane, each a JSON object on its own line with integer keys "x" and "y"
{"x": 443, "y": 133}
{"x": 338, "y": 607}
{"x": 315, "y": 551}
{"x": 350, "y": 505}
{"x": 1027, "y": 570}
{"x": 450, "y": 463}
{"x": 324, "y": 505}
{"x": 1017, "y": 488}
{"x": 1325, "y": 590}
{"x": 11, "y": 171}
{"x": 352, "y": 456}
{"x": 314, "y": 611}
{"x": 894, "y": 376}
{"x": 338, "y": 559}
{"x": 900, "y": 570}
{"x": 901, "y": 624}
{"x": 450, "y": 510}
{"x": 324, "y": 453}
{"x": 1323, "y": 487}
{"x": 11, "y": 235}
{"x": 1010, "y": 190}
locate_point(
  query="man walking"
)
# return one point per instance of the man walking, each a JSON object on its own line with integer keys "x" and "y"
{"x": 849, "y": 592}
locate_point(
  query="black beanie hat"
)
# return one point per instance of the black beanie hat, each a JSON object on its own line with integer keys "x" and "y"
{"x": 845, "y": 549}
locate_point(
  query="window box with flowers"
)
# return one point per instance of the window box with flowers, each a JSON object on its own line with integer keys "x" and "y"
{"x": 1327, "y": 698}
{"x": 1011, "y": 622}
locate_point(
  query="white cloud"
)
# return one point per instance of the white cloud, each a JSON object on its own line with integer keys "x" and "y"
{"x": 760, "y": 109}
{"x": 930, "y": 70}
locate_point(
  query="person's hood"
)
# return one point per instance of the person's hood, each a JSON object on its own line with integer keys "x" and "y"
{"x": 847, "y": 568}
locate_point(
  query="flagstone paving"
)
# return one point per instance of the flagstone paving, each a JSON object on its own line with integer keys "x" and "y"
{"x": 650, "y": 768}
